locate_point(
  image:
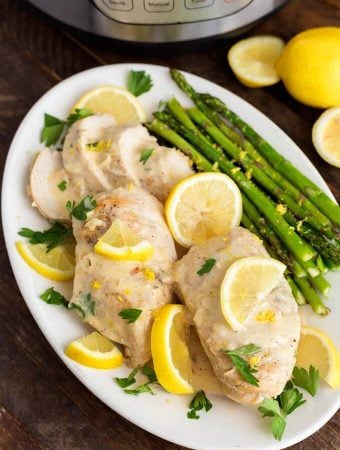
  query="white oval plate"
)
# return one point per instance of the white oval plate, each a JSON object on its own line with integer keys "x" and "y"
{"x": 227, "y": 425}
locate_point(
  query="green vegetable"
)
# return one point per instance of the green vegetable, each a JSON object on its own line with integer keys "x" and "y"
{"x": 149, "y": 372}
{"x": 242, "y": 366}
{"x": 271, "y": 408}
{"x": 85, "y": 307}
{"x": 143, "y": 388}
{"x": 52, "y": 297}
{"x": 207, "y": 266}
{"x": 306, "y": 380}
{"x": 52, "y": 236}
{"x": 139, "y": 82}
{"x": 145, "y": 155}
{"x": 130, "y": 315}
{"x": 198, "y": 403}
{"x": 62, "y": 185}
{"x": 78, "y": 114}
{"x": 79, "y": 211}
{"x": 126, "y": 382}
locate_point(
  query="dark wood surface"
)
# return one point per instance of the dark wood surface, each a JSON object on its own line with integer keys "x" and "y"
{"x": 42, "y": 405}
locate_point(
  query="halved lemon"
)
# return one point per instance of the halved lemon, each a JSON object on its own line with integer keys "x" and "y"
{"x": 253, "y": 60}
{"x": 113, "y": 100}
{"x": 317, "y": 349}
{"x": 246, "y": 283}
{"x": 121, "y": 243}
{"x": 169, "y": 348}
{"x": 326, "y": 136}
{"x": 94, "y": 350}
{"x": 58, "y": 264}
{"x": 202, "y": 206}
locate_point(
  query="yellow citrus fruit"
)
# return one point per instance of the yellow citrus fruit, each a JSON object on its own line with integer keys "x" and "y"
{"x": 317, "y": 349}
{"x": 326, "y": 136}
{"x": 94, "y": 350}
{"x": 246, "y": 283}
{"x": 203, "y": 206}
{"x": 58, "y": 264}
{"x": 113, "y": 100}
{"x": 309, "y": 67}
{"x": 121, "y": 243}
{"x": 253, "y": 60}
{"x": 169, "y": 348}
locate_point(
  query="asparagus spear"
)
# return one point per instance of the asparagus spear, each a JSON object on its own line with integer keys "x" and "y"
{"x": 297, "y": 246}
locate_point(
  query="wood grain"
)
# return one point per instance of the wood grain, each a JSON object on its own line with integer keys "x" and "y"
{"x": 42, "y": 405}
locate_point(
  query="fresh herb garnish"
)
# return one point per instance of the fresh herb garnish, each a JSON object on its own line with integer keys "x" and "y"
{"x": 149, "y": 372}
{"x": 206, "y": 267}
{"x": 139, "y": 82}
{"x": 145, "y": 155}
{"x": 79, "y": 211}
{"x": 143, "y": 388}
{"x": 306, "y": 380}
{"x": 54, "y": 127}
{"x": 52, "y": 297}
{"x": 199, "y": 402}
{"x": 130, "y": 315}
{"x": 126, "y": 382}
{"x": 52, "y": 236}
{"x": 92, "y": 145}
{"x": 242, "y": 366}
{"x": 86, "y": 305}
{"x": 62, "y": 185}
{"x": 278, "y": 408}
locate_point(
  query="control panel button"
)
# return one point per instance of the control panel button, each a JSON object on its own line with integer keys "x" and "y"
{"x": 158, "y": 6}
{"x": 119, "y": 5}
{"x": 194, "y": 4}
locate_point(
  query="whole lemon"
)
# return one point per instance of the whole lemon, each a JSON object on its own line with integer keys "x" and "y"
{"x": 309, "y": 67}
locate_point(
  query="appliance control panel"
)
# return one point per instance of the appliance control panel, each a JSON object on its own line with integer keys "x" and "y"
{"x": 150, "y": 12}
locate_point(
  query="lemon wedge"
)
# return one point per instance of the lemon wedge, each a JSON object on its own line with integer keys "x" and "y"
{"x": 317, "y": 349}
{"x": 57, "y": 265}
{"x": 202, "y": 206}
{"x": 113, "y": 100}
{"x": 326, "y": 136}
{"x": 253, "y": 60}
{"x": 121, "y": 243}
{"x": 246, "y": 283}
{"x": 169, "y": 348}
{"x": 94, "y": 350}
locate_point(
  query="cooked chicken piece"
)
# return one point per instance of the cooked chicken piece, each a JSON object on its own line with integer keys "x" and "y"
{"x": 276, "y": 331}
{"x": 46, "y": 174}
{"x": 117, "y": 285}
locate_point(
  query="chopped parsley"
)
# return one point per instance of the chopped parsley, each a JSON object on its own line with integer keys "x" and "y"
{"x": 145, "y": 155}
{"x": 146, "y": 370}
{"x": 242, "y": 366}
{"x": 86, "y": 306}
{"x": 206, "y": 267}
{"x": 306, "y": 380}
{"x": 126, "y": 382}
{"x": 139, "y": 82}
{"x": 62, "y": 185}
{"x": 92, "y": 145}
{"x": 52, "y": 297}
{"x": 142, "y": 389}
{"x": 198, "y": 403}
{"x": 52, "y": 236}
{"x": 130, "y": 315}
{"x": 84, "y": 206}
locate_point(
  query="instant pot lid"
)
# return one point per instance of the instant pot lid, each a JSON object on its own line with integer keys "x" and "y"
{"x": 140, "y": 20}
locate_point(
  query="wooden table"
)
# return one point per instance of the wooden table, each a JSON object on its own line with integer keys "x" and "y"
{"x": 42, "y": 405}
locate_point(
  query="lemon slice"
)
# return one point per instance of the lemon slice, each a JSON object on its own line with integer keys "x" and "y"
{"x": 121, "y": 243}
{"x": 317, "y": 349}
{"x": 94, "y": 350}
{"x": 253, "y": 60}
{"x": 326, "y": 136}
{"x": 113, "y": 100}
{"x": 203, "y": 206}
{"x": 169, "y": 348}
{"x": 58, "y": 264}
{"x": 246, "y": 283}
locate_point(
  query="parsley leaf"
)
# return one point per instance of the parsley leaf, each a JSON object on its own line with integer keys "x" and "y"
{"x": 85, "y": 307}
{"x": 79, "y": 211}
{"x": 62, "y": 185}
{"x": 139, "y": 82}
{"x": 206, "y": 267}
{"x": 126, "y": 382}
{"x": 242, "y": 366}
{"x": 198, "y": 403}
{"x": 149, "y": 372}
{"x": 52, "y": 130}
{"x": 306, "y": 380}
{"x": 52, "y": 236}
{"x": 290, "y": 398}
{"x": 143, "y": 388}
{"x": 52, "y": 297}
{"x": 78, "y": 114}
{"x": 130, "y": 315}
{"x": 145, "y": 155}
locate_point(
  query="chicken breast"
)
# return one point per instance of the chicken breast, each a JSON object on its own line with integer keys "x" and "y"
{"x": 276, "y": 330}
{"x": 104, "y": 287}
